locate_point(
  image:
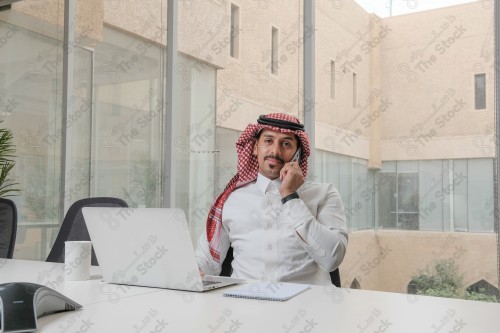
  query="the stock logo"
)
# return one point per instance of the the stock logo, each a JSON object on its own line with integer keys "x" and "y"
{"x": 69, "y": 266}
{"x": 11, "y": 31}
{"x": 151, "y": 262}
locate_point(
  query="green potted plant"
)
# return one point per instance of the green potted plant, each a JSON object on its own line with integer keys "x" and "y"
{"x": 7, "y": 150}
{"x": 446, "y": 281}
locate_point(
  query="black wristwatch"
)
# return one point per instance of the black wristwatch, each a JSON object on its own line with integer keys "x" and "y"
{"x": 291, "y": 196}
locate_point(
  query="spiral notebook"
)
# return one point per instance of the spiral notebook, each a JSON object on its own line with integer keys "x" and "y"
{"x": 269, "y": 291}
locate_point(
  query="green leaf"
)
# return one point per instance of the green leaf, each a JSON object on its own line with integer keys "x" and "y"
{"x": 7, "y": 163}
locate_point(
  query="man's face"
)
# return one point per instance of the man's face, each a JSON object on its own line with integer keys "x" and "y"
{"x": 273, "y": 150}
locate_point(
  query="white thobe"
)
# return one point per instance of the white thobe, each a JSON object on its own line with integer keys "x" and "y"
{"x": 264, "y": 233}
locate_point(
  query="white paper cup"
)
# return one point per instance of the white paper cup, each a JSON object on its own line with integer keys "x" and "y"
{"x": 77, "y": 257}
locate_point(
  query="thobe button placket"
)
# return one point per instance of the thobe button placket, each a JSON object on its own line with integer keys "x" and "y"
{"x": 273, "y": 203}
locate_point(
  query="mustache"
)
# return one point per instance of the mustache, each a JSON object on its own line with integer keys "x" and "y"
{"x": 274, "y": 157}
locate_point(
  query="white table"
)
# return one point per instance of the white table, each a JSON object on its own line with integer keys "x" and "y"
{"x": 112, "y": 308}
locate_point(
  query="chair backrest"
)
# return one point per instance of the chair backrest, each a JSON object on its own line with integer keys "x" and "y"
{"x": 335, "y": 277}
{"x": 74, "y": 228}
{"x": 226, "y": 264}
{"x": 227, "y": 269}
{"x": 8, "y": 227}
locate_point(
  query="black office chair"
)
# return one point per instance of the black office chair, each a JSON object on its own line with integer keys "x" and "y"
{"x": 74, "y": 228}
{"x": 335, "y": 277}
{"x": 227, "y": 269}
{"x": 8, "y": 228}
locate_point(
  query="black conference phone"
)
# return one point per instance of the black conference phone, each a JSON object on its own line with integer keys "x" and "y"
{"x": 21, "y": 303}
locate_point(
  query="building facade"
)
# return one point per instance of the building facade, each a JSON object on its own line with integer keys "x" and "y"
{"x": 404, "y": 111}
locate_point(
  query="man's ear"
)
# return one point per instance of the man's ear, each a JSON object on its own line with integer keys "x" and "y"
{"x": 255, "y": 148}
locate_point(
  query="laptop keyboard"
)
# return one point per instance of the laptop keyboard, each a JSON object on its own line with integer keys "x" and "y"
{"x": 208, "y": 283}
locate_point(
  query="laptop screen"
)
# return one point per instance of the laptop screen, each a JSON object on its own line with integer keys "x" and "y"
{"x": 143, "y": 246}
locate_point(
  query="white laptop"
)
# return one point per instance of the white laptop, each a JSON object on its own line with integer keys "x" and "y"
{"x": 148, "y": 247}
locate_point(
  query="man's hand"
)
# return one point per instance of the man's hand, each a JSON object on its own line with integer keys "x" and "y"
{"x": 291, "y": 178}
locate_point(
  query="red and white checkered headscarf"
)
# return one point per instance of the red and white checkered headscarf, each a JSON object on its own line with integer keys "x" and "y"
{"x": 248, "y": 168}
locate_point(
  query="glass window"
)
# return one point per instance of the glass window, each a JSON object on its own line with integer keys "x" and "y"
{"x": 274, "y": 50}
{"x": 480, "y": 194}
{"x": 480, "y": 91}
{"x": 387, "y": 202}
{"x": 338, "y": 170}
{"x": 408, "y": 201}
{"x": 365, "y": 196}
{"x": 353, "y": 211}
{"x": 114, "y": 136}
{"x": 127, "y": 119}
{"x": 226, "y": 162}
{"x": 354, "y": 90}
{"x": 332, "y": 79}
{"x": 431, "y": 201}
{"x": 79, "y": 128}
{"x": 459, "y": 222}
{"x": 30, "y": 100}
{"x": 413, "y": 166}
{"x": 195, "y": 143}
{"x": 235, "y": 31}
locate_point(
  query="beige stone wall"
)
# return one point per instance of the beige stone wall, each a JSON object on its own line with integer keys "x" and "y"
{"x": 409, "y": 83}
{"x": 342, "y": 32}
{"x": 387, "y": 260}
{"x": 387, "y": 56}
{"x": 428, "y": 63}
{"x": 246, "y": 88}
{"x": 205, "y": 37}
{"x": 199, "y": 33}
{"x": 381, "y": 104}
{"x": 363, "y": 248}
{"x": 51, "y": 11}
{"x": 47, "y": 17}
{"x": 146, "y": 19}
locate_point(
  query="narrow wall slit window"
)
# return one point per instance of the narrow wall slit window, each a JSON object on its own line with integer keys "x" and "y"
{"x": 332, "y": 79}
{"x": 354, "y": 90}
{"x": 480, "y": 91}
{"x": 274, "y": 50}
{"x": 234, "y": 36}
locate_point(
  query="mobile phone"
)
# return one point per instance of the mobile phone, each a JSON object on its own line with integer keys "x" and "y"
{"x": 296, "y": 157}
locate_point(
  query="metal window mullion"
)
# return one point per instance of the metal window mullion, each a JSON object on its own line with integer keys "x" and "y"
{"x": 93, "y": 126}
{"x": 496, "y": 165}
{"x": 451, "y": 210}
{"x": 67, "y": 105}
{"x": 309, "y": 77}
{"x": 231, "y": 33}
{"x": 169, "y": 148}
{"x": 397, "y": 197}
